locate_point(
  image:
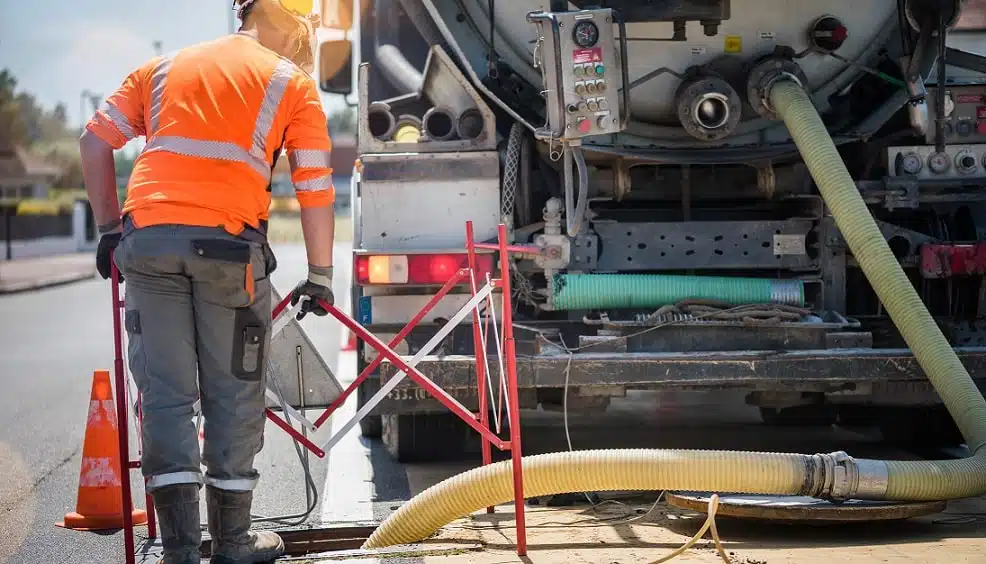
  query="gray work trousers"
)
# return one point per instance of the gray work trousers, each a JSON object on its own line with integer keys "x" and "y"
{"x": 197, "y": 329}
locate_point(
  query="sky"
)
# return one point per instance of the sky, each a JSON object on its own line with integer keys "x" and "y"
{"x": 57, "y": 49}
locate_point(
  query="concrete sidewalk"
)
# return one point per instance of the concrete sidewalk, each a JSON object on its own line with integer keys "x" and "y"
{"x": 29, "y": 274}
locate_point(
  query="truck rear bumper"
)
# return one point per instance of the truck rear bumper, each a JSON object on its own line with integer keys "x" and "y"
{"x": 831, "y": 370}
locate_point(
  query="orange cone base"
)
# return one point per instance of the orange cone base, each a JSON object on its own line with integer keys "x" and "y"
{"x": 78, "y": 522}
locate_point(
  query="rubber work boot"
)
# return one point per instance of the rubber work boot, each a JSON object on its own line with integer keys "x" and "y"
{"x": 178, "y": 517}
{"x": 229, "y": 524}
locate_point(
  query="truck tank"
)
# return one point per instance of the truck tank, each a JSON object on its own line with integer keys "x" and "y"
{"x": 720, "y": 38}
{"x": 682, "y": 243}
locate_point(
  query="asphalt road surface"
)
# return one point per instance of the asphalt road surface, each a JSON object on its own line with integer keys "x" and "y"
{"x": 54, "y": 338}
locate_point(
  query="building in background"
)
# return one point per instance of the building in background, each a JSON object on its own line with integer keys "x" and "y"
{"x": 24, "y": 176}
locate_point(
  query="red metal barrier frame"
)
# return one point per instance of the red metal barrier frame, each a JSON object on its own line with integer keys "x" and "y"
{"x": 126, "y": 465}
{"x": 510, "y": 363}
{"x": 479, "y": 422}
{"x": 454, "y": 281}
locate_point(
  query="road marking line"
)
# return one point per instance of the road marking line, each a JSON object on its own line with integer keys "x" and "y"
{"x": 348, "y": 490}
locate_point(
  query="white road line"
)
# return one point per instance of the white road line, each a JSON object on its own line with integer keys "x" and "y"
{"x": 348, "y": 491}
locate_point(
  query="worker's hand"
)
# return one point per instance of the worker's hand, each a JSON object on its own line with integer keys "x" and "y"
{"x": 318, "y": 286}
{"x": 104, "y": 261}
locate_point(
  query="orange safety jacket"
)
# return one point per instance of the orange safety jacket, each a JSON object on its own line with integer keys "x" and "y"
{"x": 214, "y": 116}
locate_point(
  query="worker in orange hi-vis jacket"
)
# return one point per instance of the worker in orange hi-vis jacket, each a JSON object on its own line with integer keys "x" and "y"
{"x": 191, "y": 245}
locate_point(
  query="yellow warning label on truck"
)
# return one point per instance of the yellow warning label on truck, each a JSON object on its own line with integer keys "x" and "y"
{"x": 733, "y": 44}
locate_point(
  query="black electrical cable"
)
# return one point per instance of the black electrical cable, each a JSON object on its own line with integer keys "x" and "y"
{"x": 940, "y": 84}
{"x": 491, "y": 59}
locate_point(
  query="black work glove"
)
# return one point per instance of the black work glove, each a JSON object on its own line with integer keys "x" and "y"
{"x": 107, "y": 244}
{"x": 318, "y": 286}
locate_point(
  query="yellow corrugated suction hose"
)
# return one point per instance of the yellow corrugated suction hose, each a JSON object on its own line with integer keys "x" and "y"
{"x": 835, "y": 475}
{"x": 598, "y": 470}
{"x": 926, "y": 480}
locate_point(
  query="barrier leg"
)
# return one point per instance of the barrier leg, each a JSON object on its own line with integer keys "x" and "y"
{"x": 480, "y": 351}
{"x": 511, "y": 360}
{"x": 121, "y": 416}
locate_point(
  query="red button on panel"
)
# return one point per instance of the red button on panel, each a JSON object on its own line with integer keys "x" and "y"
{"x": 584, "y": 125}
{"x": 981, "y": 128}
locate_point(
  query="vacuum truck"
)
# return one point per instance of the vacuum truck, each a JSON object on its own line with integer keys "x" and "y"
{"x": 682, "y": 241}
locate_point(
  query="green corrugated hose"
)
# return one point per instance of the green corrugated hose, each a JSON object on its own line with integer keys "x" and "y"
{"x": 768, "y": 473}
{"x": 597, "y": 291}
{"x": 929, "y": 480}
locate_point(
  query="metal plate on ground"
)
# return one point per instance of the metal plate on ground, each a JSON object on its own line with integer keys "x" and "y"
{"x": 803, "y": 509}
{"x": 292, "y": 352}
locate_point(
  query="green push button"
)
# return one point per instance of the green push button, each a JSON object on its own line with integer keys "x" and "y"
{"x": 600, "y": 69}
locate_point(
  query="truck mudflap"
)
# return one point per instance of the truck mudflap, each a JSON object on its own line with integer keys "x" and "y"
{"x": 810, "y": 370}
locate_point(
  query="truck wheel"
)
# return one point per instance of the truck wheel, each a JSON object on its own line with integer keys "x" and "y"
{"x": 799, "y": 416}
{"x": 369, "y": 426}
{"x": 424, "y": 437}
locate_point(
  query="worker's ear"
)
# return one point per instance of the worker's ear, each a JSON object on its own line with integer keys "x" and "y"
{"x": 335, "y": 66}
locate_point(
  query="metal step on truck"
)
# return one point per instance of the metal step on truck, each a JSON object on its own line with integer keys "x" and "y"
{"x": 681, "y": 241}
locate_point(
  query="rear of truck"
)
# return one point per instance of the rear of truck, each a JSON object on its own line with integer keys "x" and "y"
{"x": 681, "y": 243}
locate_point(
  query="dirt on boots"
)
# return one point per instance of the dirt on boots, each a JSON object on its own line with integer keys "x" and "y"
{"x": 229, "y": 524}
{"x": 178, "y": 517}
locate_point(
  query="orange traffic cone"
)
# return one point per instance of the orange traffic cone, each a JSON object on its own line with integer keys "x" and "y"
{"x": 350, "y": 344}
{"x": 100, "y": 502}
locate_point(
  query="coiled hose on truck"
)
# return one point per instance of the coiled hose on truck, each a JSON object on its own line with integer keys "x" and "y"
{"x": 833, "y": 475}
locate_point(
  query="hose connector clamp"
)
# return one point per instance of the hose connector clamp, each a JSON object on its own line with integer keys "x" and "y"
{"x": 764, "y": 76}
{"x": 837, "y": 477}
{"x": 833, "y": 476}
{"x": 842, "y": 477}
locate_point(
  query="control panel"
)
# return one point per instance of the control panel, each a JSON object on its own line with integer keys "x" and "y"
{"x": 923, "y": 162}
{"x": 577, "y": 55}
{"x": 965, "y": 109}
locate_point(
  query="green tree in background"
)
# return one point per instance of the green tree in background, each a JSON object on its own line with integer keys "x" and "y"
{"x": 44, "y": 133}
{"x": 13, "y": 131}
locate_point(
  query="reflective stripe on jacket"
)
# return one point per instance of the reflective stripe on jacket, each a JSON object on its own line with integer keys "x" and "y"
{"x": 214, "y": 114}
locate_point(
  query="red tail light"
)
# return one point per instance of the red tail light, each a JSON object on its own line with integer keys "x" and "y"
{"x": 417, "y": 269}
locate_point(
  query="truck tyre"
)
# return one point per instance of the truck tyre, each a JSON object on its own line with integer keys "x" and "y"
{"x": 369, "y": 426}
{"x": 424, "y": 437}
{"x": 799, "y": 416}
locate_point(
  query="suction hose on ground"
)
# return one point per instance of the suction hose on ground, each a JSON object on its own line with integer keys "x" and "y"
{"x": 822, "y": 475}
{"x": 926, "y": 480}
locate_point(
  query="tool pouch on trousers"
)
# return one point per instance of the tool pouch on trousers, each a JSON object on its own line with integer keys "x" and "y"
{"x": 230, "y": 280}
{"x": 232, "y": 269}
{"x": 249, "y": 338}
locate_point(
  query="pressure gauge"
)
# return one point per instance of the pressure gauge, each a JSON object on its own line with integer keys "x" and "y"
{"x": 586, "y": 34}
{"x": 939, "y": 163}
{"x": 911, "y": 163}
